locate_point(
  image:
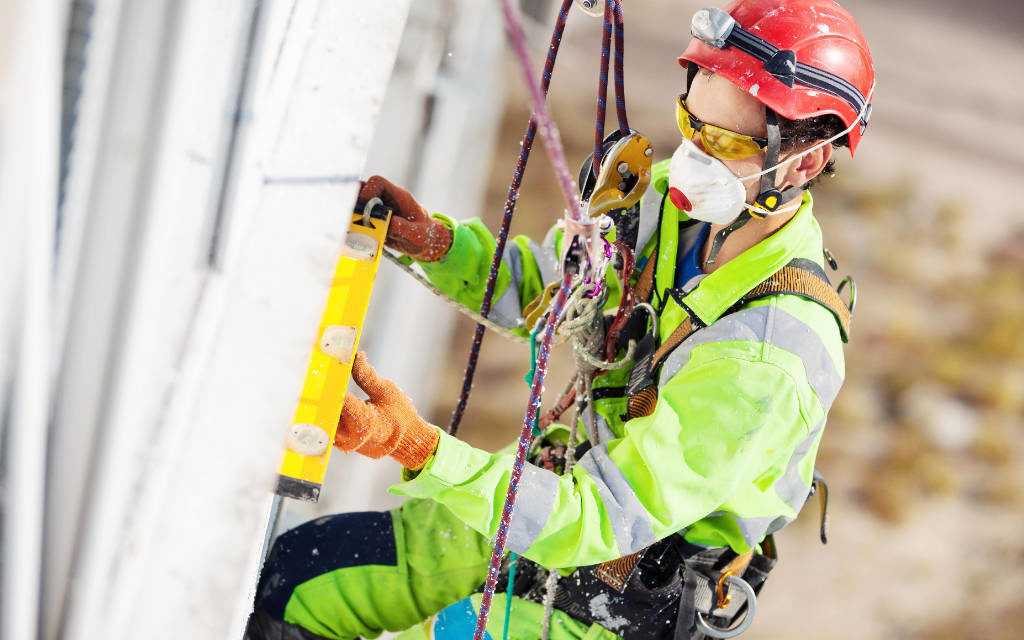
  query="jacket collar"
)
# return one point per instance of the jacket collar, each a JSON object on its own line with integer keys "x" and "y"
{"x": 721, "y": 289}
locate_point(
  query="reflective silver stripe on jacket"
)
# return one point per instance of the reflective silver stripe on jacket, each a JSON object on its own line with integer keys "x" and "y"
{"x": 630, "y": 522}
{"x": 790, "y": 487}
{"x": 546, "y": 256}
{"x": 537, "y": 490}
{"x": 775, "y": 327}
{"x": 754, "y": 529}
{"x": 650, "y": 216}
{"x": 506, "y": 309}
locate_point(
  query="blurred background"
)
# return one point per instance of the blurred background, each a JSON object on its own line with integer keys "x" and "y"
{"x": 187, "y": 166}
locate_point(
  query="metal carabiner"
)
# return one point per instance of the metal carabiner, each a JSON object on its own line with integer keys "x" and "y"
{"x": 830, "y": 259}
{"x": 594, "y": 8}
{"x": 652, "y": 313}
{"x": 748, "y": 618}
{"x": 370, "y": 210}
{"x": 853, "y": 291}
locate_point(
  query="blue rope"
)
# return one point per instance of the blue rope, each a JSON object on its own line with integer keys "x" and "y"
{"x": 513, "y": 560}
{"x": 533, "y": 371}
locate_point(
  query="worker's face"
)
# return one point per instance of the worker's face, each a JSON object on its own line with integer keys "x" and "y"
{"x": 715, "y": 100}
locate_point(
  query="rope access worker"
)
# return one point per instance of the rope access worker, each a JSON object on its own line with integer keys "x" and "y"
{"x": 659, "y": 507}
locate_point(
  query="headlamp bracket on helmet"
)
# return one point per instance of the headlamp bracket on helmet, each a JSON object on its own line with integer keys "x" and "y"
{"x": 712, "y": 26}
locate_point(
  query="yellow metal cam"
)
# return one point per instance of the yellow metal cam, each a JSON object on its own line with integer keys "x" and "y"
{"x": 632, "y": 153}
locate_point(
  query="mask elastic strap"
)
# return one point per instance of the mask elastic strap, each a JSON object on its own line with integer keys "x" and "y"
{"x": 769, "y": 199}
{"x": 771, "y": 153}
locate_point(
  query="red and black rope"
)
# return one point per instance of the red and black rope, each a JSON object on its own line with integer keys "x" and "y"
{"x": 613, "y": 22}
{"x": 620, "y": 82}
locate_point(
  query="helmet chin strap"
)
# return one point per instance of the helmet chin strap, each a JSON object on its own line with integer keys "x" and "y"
{"x": 716, "y": 244}
{"x": 770, "y": 198}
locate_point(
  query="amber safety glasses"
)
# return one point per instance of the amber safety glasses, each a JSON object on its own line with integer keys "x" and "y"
{"x": 720, "y": 143}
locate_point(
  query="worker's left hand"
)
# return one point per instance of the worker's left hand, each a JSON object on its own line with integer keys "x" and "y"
{"x": 412, "y": 231}
{"x": 386, "y": 423}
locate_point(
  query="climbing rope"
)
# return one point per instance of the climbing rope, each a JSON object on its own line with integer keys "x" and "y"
{"x": 620, "y": 83}
{"x": 612, "y": 16}
{"x": 525, "y": 440}
{"x": 583, "y": 399}
{"x": 510, "y": 207}
{"x": 584, "y": 325}
{"x": 588, "y": 267}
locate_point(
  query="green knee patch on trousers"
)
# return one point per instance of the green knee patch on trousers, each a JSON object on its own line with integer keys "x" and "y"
{"x": 438, "y": 560}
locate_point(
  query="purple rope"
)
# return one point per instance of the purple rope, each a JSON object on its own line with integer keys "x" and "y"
{"x": 548, "y": 130}
{"x": 620, "y": 88}
{"x": 525, "y": 438}
{"x": 510, "y": 207}
{"x": 602, "y": 88}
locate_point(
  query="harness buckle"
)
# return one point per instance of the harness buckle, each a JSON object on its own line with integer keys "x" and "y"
{"x": 722, "y": 595}
{"x": 748, "y": 617}
{"x": 848, "y": 280}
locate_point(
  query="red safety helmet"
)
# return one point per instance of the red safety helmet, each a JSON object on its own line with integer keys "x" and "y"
{"x": 801, "y": 58}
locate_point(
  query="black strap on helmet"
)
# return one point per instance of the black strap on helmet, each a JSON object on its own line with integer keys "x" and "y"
{"x": 716, "y": 28}
{"x": 769, "y": 197}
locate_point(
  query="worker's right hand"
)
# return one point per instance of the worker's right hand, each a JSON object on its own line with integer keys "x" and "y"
{"x": 412, "y": 230}
{"x": 386, "y": 423}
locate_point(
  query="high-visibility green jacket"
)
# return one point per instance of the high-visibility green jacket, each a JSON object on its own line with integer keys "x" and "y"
{"x": 727, "y": 456}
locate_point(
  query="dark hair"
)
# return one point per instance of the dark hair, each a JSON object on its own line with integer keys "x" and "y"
{"x": 800, "y": 132}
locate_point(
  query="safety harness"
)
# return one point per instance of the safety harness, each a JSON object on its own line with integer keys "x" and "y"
{"x": 672, "y": 590}
{"x": 801, "y": 277}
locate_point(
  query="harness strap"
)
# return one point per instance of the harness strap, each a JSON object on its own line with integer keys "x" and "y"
{"x": 645, "y": 282}
{"x": 739, "y": 564}
{"x": 800, "y": 277}
{"x": 806, "y": 279}
{"x": 687, "y": 328}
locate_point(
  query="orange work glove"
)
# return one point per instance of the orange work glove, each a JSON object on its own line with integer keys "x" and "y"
{"x": 386, "y": 423}
{"x": 412, "y": 230}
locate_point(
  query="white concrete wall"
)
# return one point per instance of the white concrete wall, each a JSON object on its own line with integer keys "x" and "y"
{"x": 31, "y": 47}
{"x": 207, "y": 204}
{"x": 217, "y": 150}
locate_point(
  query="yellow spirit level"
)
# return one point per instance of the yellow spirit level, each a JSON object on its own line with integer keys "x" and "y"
{"x": 309, "y": 439}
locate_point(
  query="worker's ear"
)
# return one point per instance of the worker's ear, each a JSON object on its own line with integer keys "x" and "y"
{"x": 806, "y": 167}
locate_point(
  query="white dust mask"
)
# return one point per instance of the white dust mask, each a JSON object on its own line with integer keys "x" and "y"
{"x": 704, "y": 188}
